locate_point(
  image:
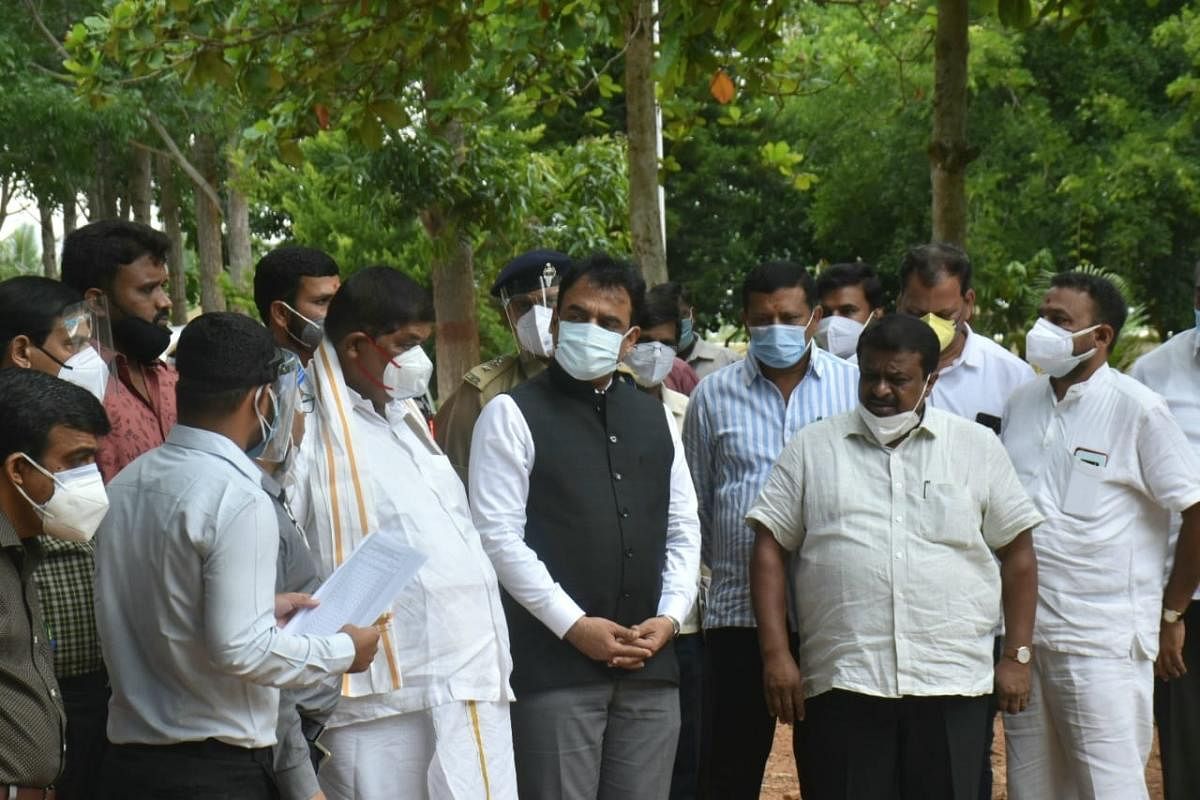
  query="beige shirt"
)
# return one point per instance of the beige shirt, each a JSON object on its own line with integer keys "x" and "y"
{"x": 896, "y": 588}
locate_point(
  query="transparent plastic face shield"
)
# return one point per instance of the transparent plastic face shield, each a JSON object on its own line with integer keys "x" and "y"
{"x": 285, "y": 393}
{"x": 528, "y": 313}
{"x": 87, "y": 333}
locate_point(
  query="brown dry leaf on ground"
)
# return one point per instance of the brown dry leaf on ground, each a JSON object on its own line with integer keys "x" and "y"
{"x": 779, "y": 781}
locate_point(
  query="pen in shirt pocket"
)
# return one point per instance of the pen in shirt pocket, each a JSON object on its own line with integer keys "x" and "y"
{"x": 925, "y": 491}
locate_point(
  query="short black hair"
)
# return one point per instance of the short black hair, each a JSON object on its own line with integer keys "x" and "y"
{"x": 775, "y": 275}
{"x": 32, "y": 403}
{"x": 854, "y": 273}
{"x": 377, "y": 300}
{"x": 606, "y": 272}
{"x": 902, "y": 333}
{"x": 661, "y": 306}
{"x": 30, "y": 305}
{"x": 934, "y": 260}
{"x": 277, "y": 275}
{"x": 1106, "y": 297}
{"x": 92, "y": 254}
{"x": 676, "y": 290}
{"x": 222, "y": 355}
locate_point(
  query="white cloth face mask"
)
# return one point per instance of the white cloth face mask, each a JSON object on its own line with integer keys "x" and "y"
{"x": 1051, "y": 348}
{"x": 77, "y": 506}
{"x": 839, "y": 335}
{"x": 407, "y": 375}
{"x": 88, "y": 370}
{"x": 533, "y": 331}
{"x": 651, "y": 362}
{"x": 886, "y": 430}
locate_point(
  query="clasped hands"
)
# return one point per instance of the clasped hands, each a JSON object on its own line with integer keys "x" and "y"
{"x": 617, "y": 646}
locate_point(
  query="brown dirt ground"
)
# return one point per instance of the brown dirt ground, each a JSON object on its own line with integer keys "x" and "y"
{"x": 779, "y": 782}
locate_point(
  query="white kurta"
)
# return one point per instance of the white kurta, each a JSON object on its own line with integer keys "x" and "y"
{"x": 445, "y": 654}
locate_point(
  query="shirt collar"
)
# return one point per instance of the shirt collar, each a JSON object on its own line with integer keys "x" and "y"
{"x": 972, "y": 352}
{"x": 816, "y": 365}
{"x": 215, "y": 444}
{"x": 933, "y": 423}
{"x": 8, "y": 534}
{"x": 1100, "y": 378}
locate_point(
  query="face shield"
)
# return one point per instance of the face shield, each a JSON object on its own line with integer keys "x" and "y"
{"x": 529, "y": 313}
{"x": 285, "y": 394}
{"x": 88, "y": 333}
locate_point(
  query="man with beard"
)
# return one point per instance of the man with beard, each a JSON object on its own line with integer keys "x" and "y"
{"x": 293, "y": 287}
{"x": 125, "y": 262}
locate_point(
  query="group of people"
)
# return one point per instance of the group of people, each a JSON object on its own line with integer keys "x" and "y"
{"x": 641, "y": 549}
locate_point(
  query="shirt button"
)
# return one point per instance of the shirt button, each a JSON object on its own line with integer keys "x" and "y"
{"x": 613, "y": 438}
{"x": 626, "y": 595}
{"x": 616, "y": 476}
{"x": 624, "y": 513}
{"x": 898, "y": 485}
{"x": 35, "y": 639}
{"x": 899, "y": 518}
{"x": 900, "y": 555}
{"x": 54, "y": 692}
{"x": 629, "y": 553}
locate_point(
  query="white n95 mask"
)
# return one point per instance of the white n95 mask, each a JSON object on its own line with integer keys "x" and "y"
{"x": 839, "y": 335}
{"x": 77, "y": 506}
{"x": 650, "y": 362}
{"x": 87, "y": 369}
{"x": 1051, "y": 348}
{"x": 407, "y": 375}
{"x": 533, "y": 331}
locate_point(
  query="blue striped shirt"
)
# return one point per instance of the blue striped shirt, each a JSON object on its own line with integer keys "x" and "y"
{"x": 736, "y": 427}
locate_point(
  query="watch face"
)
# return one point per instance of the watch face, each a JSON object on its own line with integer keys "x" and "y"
{"x": 1024, "y": 655}
{"x": 1171, "y": 616}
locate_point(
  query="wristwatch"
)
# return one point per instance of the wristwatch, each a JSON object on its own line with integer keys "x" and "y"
{"x": 1021, "y": 655}
{"x": 1170, "y": 616}
{"x": 674, "y": 624}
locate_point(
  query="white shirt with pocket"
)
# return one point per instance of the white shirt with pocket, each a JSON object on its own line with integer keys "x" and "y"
{"x": 1173, "y": 370}
{"x": 1105, "y": 465}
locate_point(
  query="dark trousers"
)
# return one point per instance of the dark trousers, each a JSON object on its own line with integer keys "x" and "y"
{"x": 1177, "y": 712}
{"x": 85, "y": 699}
{"x": 989, "y": 729}
{"x": 689, "y": 649}
{"x": 858, "y": 747}
{"x": 208, "y": 770}
{"x": 739, "y": 730}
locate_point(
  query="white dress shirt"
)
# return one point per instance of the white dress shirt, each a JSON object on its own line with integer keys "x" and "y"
{"x": 896, "y": 586}
{"x": 185, "y": 600}
{"x": 1173, "y": 370}
{"x": 1105, "y": 466}
{"x": 448, "y": 632}
{"x": 980, "y": 380}
{"x": 502, "y": 456}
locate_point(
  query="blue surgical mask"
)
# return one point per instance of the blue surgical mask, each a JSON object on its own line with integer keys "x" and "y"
{"x": 687, "y": 334}
{"x": 587, "y": 351}
{"x": 779, "y": 346}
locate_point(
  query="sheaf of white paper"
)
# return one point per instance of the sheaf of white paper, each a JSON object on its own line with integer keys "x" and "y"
{"x": 361, "y": 589}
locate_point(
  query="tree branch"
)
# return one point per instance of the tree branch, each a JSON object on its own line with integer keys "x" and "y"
{"x": 180, "y": 159}
{"x": 37, "y": 20}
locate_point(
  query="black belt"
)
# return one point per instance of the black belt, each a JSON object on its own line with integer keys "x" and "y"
{"x": 209, "y": 748}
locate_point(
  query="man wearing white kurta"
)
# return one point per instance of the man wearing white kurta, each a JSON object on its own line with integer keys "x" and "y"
{"x": 430, "y": 719}
{"x": 1173, "y": 370}
{"x": 1106, "y": 464}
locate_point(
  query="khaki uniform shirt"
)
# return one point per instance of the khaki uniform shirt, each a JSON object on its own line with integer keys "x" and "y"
{"x": 455, "y": 420}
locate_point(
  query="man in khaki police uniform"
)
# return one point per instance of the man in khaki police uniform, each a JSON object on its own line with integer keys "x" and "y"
{"x": 527, "y": 289}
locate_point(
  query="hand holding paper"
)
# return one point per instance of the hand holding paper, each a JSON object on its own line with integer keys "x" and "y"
{"x": 361, "y": 589}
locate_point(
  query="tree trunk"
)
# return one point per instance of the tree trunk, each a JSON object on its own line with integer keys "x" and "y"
{"x": 453, "y": 272}
{"x": 949, "y": 152}
{"x": 641, "y": 123}
{"x": 70, "y": 213}
{"x": 102, "y": 196}
{"x": 168, "y": 189}
{"x": 240, "y": 254}
{"x": 140, "y": 185}
{"x": 208, "y": 227}
{"x": 49, "y": 256}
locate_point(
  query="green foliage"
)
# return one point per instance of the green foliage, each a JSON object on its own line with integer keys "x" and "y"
{"x": 20, "y": 253}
